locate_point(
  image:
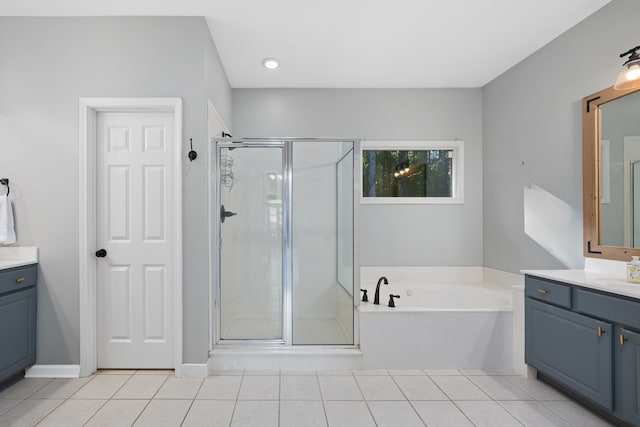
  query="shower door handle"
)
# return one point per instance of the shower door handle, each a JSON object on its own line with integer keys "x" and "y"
{"x": 225, "y": 213}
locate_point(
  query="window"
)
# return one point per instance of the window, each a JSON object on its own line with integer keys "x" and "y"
{"x": 412, "y": 172}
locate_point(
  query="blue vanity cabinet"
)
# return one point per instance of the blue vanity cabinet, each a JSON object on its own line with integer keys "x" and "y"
{"x": 588, "y": 341}
{"x": 571, "y": 348}
{"x": 17, "y": 320}
{"x": 628, "y": 343}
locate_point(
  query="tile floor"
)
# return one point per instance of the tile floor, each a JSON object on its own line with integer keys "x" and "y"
{"x": 292, "y": 398}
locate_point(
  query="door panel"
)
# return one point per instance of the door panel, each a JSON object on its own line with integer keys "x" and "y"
{"x": 251, "y": 242}
{"x": 629, "y": 343}
{"x": 568, "y": 346}
{"x": 135, "y": 176}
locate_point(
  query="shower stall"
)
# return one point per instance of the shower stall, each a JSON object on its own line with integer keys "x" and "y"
{"x": 283, "y": 228}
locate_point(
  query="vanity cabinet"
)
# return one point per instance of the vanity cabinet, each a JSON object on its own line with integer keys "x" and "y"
{"x": 586, "y": 340}
{"x": 17, "y": 320}
{"x": 573, "y": 348}
{"x": 629, "y": 342}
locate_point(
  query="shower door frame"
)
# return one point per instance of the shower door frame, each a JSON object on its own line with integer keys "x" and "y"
{"x": 215, "y": 279}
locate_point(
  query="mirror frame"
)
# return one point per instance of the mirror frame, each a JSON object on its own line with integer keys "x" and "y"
{"x": 591, "y": 177}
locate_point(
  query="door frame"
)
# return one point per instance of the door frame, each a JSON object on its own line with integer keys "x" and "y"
{"x": 88, "y": 110}
{"x": 212, "y": 117}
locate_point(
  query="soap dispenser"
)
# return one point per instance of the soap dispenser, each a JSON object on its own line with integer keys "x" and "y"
{"x": 633, "y": 270}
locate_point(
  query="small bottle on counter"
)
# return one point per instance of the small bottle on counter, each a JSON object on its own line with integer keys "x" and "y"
{"x": 633, "y": 270}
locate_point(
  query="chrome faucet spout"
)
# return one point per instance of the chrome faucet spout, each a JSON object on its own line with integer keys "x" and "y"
{"x": 376, "y": 298}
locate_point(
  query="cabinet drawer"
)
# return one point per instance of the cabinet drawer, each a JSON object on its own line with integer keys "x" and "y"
{"x": 615, "y": 309}
{"x": 14, "y": 279}
{"x": 548, "y": 291}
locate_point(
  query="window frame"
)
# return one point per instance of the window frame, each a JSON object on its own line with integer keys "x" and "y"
{"x": 457, "y": 171}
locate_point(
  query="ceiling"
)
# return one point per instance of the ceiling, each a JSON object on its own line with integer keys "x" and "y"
{"x": 355, "y": 43}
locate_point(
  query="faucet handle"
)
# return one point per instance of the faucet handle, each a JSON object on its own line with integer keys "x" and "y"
{"x": 391, "y": 301}
{"x": 365, "y": 298}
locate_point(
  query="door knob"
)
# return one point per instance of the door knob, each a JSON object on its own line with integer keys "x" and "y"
{"x": 101, "y": 253}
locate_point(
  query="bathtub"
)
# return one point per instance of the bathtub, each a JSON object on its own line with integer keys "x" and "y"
{"x": 440, "y": 325}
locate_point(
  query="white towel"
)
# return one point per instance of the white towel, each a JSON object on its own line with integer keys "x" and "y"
{"x": 7, "y": 229}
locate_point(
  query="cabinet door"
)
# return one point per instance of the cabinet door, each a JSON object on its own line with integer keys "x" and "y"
{"x": 629, "y": 343}
{"x": 575, "y": 350}
{"x": 17, "y": 331}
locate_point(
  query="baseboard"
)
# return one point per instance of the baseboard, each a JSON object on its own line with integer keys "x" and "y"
{"x": 192, "y": 370}
{"x": 53, "y": 371}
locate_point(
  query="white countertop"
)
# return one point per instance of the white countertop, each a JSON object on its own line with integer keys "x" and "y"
{"x": 598, "y": 280}
{"x": 17, "y": 256}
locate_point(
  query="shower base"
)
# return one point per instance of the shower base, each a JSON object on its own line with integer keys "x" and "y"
{"x": 283, "y": 358}
{"x": 306, "y": 331}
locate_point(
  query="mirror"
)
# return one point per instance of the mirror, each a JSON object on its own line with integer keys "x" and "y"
{"x": 611, "y": 174}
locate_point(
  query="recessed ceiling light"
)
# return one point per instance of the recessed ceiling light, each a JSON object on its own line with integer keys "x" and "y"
{"x": 270, "y": 63}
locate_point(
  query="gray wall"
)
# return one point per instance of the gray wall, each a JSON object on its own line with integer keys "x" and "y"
{"x": 47, "y": 64}
{"x": 390, "y": 234}
{"x": 533, "y": 142}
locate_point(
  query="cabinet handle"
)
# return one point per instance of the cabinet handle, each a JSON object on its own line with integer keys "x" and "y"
{"x": 601, "y": 331}
{"x": 623, "y": 339}
{"x": 20, "y": 280}
{"x": 542, "y": 291}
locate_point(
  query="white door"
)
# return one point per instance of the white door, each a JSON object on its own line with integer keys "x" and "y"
{"x": 134, "y": 195}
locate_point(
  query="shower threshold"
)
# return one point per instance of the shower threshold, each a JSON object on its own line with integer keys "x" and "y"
{"x": 277, "y": 357}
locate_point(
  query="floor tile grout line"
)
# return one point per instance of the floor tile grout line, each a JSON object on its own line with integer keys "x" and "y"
{"x": 235, "y": 404}
{"x": 150, "y": 400}
{"x": 440, "y": 388}
{"x": 544, "y": 403}
{"x": 400, "y": 388}
{"x": 186, "y": 414}
{"x": 96, "y": 412}
{"x": 491, "y": 397}
{"x": 510, "y": 413}
{"x": 462, "y": 412}
{"x": 64, "y": 400}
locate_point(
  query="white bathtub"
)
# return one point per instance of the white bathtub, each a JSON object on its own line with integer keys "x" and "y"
{"x": 472, "y": 296}
{"x": 440, "y": 325}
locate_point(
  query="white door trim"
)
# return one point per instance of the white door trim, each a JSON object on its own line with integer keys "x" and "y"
{"x": 88, "y": 109}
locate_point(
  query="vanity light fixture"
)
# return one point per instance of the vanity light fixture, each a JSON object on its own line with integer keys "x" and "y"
{"x": 270, "y": 63}
{"x": 629, "y": 77}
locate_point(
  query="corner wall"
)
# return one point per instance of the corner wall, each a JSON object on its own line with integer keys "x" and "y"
{"x": 47, "y": 64}
{"x": 533, "y": 142}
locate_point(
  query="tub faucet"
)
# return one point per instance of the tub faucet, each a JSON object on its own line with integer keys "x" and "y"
{"x": 376, "y": 298}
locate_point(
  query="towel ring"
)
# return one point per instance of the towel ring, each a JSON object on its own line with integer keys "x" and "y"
{"x": 5, "y": 181}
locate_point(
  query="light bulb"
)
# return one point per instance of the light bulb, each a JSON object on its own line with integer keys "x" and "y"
{"x": 634, "y": 72}
{"x": 406, "y": 169}
{"x": 396, "y": 174}
{"x": 270, "y": 63}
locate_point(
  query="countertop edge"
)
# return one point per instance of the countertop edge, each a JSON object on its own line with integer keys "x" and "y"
{"x": 595, "y": 280}
{"x": 17, "y": 256}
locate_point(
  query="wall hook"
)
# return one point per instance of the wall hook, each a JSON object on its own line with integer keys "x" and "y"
{"x": 192, "y": 154}
{"x": 5, "y": 181}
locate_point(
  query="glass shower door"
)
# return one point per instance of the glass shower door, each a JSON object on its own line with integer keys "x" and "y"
{"x": 251, "y": 241}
